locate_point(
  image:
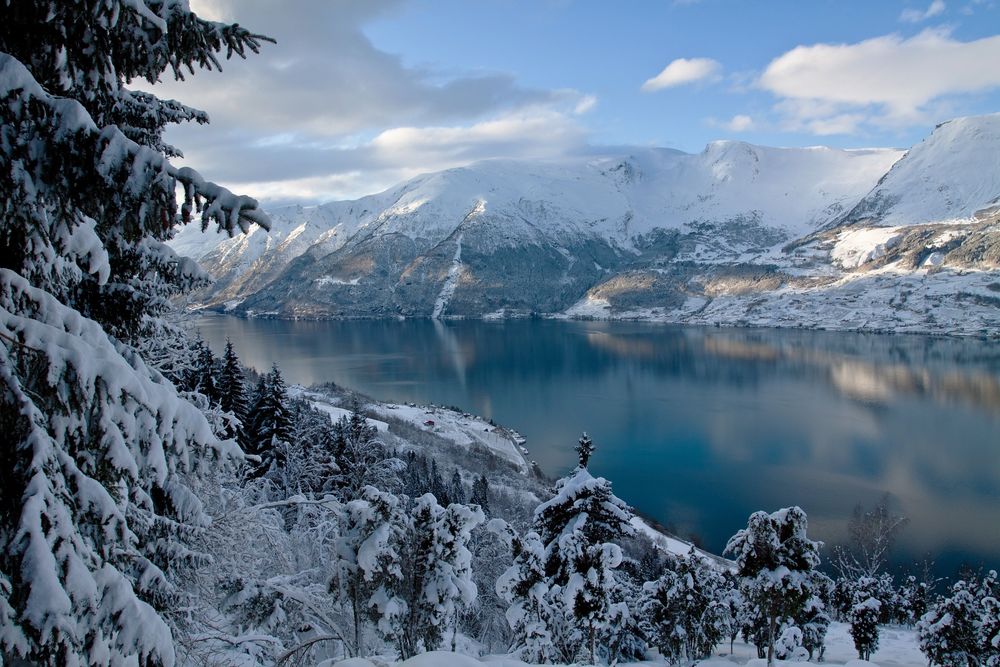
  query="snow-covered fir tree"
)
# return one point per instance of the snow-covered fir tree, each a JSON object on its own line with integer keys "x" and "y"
{"x": 581, "y": 526}
{"x": 100, "y": 448}
{"x": 436, "y": 577}
{"x": 865, "y": 616}
{"x": 481, "y": 493}
{"x": 686, "y": 610}
{"x": 271, "y": 424}
{"x": 962, "y": 628}
{"x": 584, "y": 450}
{"x": 204, "y": 373}
{"x": 231, "y": 387}
{"x": 814, "y": 620}
{"x": 364, "y": 460}
{"x": 915, "y": 597}
{"x": 534, "y": 615}
{"x": 775, "y": 559}
{"x": 368, "y": 563}
{"x": 311, "y": 465}
{"x": 948, "y": 632}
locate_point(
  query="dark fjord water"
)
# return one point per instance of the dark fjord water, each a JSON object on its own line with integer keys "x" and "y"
{"x": 700, "y": 427}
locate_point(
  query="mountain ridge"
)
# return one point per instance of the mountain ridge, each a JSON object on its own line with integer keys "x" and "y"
{"x": 643, "y": 233}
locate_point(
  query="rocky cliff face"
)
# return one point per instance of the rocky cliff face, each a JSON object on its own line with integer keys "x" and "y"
{"x": 736, "y": 233}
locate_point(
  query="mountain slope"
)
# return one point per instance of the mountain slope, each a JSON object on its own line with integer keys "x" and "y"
{"x": 953, "y": 174}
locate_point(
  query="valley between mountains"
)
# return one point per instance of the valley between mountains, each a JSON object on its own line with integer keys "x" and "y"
{"x": 864, "y": 239}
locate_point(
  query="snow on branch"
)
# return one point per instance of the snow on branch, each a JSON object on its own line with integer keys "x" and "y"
{"x": 123, "y": 164}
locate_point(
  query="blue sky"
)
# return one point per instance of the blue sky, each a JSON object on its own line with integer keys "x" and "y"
{"x": 359, "y": 94}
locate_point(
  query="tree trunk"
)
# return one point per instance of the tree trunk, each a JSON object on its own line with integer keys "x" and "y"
{"x": 355, "y": 609}
{"x": 770, "y": 640}
{"x": 593, "y": 640}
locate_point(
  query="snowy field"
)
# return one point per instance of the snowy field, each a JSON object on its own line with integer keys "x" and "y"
{"x": 897, "y": 648}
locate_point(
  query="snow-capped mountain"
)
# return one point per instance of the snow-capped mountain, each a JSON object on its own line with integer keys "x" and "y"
{"x": 953, "y": 174}
{"x": 562, "y": 225}
{"x": 736, "y": 233}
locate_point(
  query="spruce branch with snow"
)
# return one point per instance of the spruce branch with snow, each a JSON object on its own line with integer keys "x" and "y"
{"x": 100, "y": 446}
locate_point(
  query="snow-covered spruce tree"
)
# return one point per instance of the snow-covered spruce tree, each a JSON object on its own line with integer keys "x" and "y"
{"x": 436, "y": 578}
{"x": 814, "y": 623}
{"x": 948, "y": 631}
{"x": 271, "y": 425}
{"x": 625, "y": 639}
{"x": 865, "y": 617}
{"x": 311, "y": 467}
{"x": 368, "y": 559}
{"x": 97, "y": 445}
{"x": 918, "y": 595}
{"x": 734, "y": 605}
{"x": 231, "y": 388}
{"x": 775, "y": 560}
{"x": 580, "y": 527}
{"x": 481, "y": 494}
{"x": 204, "y": 373}
{"x": 363, "y": 459}
{"x": 686, "y": 610}
{"x": 584, "y": 450}
{"x": 962, "y": 629}
{"x": 525, "y": 588}
{"x": 989, "y": 631}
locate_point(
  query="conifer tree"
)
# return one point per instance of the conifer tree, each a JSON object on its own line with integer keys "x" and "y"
{"x": 368, "y": 565}
{"x": 686, "y": 609}
{"x": 584, "y": 450}
{"x": 457, "y": 490}
{"x": 581, "y": 527}
{"x": 814, "y": 621}
{"x": 271, "y": 424}
{"x": 232, "y": 392}
{"x": 961, "y": 628}
{"x": 481, "y": 493}
{"x": 775, "y": 559}
{"x": 362, "y": 459}
{"x": 204, "y": 374}
{"x": 97, "y": 443}
{"x": 436, "y": 577}
{"x": 532, "y": 616}
{"x": 865, "y": 617}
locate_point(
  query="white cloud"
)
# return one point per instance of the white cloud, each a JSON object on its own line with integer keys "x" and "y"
{"x": 280, "y": 170}
{"x": 936, "y": 8}
{"x": 889, "y": 80}
{"x": 586, "y": 103}
{"x": 683, "y": 71}
{"x": 536, "y": 133}
{"x": 740, "y": 123}
{"x": 309, "y": 117}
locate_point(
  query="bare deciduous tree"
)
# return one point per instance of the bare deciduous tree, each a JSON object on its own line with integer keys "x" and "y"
{"x": 872, "y": 534}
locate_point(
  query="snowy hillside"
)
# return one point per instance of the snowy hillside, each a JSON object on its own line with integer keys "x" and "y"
{"x": 953, "y": 174}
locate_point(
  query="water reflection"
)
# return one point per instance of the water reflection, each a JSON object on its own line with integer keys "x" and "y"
{"x": 699, "y": 427}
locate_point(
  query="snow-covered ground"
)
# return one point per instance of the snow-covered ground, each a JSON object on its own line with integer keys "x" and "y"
{"x": 897, "y": 648}
{"x": 460, "y": 428}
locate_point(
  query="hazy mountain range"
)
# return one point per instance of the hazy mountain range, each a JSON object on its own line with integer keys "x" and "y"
{"x": 736, "y": 234}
